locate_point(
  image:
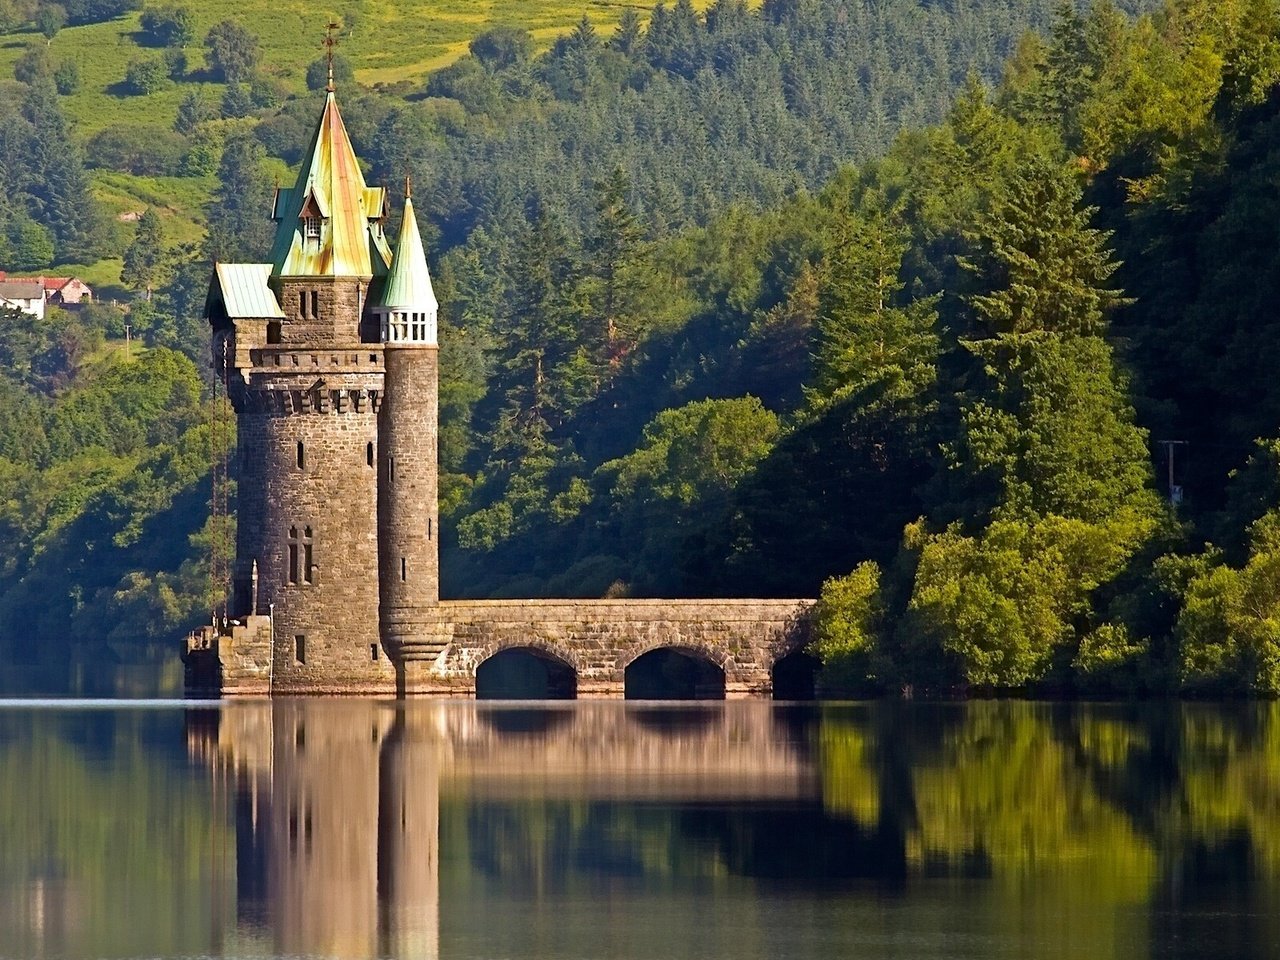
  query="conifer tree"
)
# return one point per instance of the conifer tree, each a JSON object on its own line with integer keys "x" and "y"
{"x": 866, "y": 334}
{"x": 143, "y": 256}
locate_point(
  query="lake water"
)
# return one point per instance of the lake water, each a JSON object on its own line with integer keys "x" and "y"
{"x": 735, "y": 830}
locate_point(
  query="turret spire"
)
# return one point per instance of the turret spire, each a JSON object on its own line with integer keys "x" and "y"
{"x": 408, "y": 308}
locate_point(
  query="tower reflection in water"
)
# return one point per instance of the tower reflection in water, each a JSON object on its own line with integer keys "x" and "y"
{"x": 337, "y": 803}
{"x": 337, "y": 824}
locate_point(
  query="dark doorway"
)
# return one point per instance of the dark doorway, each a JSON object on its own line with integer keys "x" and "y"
{"x": 522, "y": 673}
{"x": 673, "y": 675}
{"x": 795, "y": 677}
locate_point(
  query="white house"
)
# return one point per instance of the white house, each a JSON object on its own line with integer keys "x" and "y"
{"x": 25, "y": 295}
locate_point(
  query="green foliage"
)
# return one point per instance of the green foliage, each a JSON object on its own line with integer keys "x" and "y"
{"x": 1229, "y": 627}
{"x": 344, "y": 75}
{"x": 146, "y": 76}
{"x": 50, "y": 18}
{"x": 997, "y": 609}
{"x": 35, "y": 64}
{"x": 143, "y": 257}
{"x": 66, "y": 77}
{"x": 848, "y": 628}
{"x": 168, "y": 26}
{"x": 1046, "y": 268}
{"x": 231, "y": 52}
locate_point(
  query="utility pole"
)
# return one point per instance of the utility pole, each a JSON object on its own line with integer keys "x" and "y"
{"x": 1175, "y": 490}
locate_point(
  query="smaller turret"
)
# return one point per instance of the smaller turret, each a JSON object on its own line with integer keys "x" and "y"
{"x": 408, "y": 522}
{"x": 407, "y": 309}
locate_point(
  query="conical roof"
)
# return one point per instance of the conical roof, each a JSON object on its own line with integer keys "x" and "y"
{"x": 331, "y": 189}
{"x": 409, "y": 283}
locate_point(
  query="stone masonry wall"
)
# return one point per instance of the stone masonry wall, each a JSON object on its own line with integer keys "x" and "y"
{"x": 600, "y": 638}
{"x": 331, "y": 411}
{"x": 408, "y": 524}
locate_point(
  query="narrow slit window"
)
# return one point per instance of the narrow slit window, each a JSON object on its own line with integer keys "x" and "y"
{"x": 300, "y": 648}
{"x": 404, "y": 569}
{"x": 373, "y": 652}
{"x": 302, "y": 304}
{"x": 315, "y": 304}
{"x": 293, "y": 554}
{"x": 308, "y": 561}
{"x": 429, "y": 530}
{"x": 301, "y": 456}
{"x": 368, "y": 453}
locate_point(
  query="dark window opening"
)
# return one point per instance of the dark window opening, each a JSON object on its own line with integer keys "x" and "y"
{"x": 315, "y": 305}
{"x": 302, "y": 304}
{"x": 301, "y": 456}
{"x": 404, "y": 570}
{"x": 300, "y": 648}
{"x": 368, "y": 453}
{"x": 428, "y": 528}
{"x": 373, "y": 652}
{"x": 521, "y": 673}
{"x": 669, "y": 674}
{"x": 274, "y": 332}
{"x": 312, "y": 227}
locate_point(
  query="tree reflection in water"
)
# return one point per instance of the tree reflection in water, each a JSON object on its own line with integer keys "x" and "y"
{"x": 364, "y": 829}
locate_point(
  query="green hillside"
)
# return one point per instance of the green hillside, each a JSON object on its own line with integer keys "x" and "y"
{"x": 386, "y": 43}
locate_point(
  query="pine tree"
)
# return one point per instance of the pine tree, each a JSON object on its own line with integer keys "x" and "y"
{"x": 613, "y": 248}
{"x": 57, "y": 185}
{"x": 1044, "y": 266}
{"x": 239, "y": 229}
{"x": 866, "y": 334}
{"x": 143, "y": 257}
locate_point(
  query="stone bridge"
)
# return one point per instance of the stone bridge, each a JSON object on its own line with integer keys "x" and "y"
{"x": 583, "y": 648}
{"x": 591, "y": 644}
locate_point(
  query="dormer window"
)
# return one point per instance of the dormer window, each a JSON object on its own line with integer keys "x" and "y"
{"x": 311, "y": 228}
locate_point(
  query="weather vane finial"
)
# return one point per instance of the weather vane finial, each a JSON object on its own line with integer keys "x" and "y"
{"x": 330, "y": 41}
{"x": 408, "y": 186}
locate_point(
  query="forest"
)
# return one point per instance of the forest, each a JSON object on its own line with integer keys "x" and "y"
{"x": 903, "y": 305}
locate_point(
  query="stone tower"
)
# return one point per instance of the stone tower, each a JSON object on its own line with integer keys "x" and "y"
{"x": 329, "y": 357}
{"x": 408, "y": 535}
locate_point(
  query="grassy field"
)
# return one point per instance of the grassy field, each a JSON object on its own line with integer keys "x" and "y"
{"x": 387, "y": 41}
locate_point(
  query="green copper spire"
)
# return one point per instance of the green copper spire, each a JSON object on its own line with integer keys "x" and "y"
{"x": 330, "y": 222}
{"x": 409, "y": 283}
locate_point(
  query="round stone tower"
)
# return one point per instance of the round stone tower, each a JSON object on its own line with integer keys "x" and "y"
{"x": 408, "y": 523}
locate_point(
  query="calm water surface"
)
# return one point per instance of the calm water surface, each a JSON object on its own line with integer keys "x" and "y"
{"x": 752, "y": 830}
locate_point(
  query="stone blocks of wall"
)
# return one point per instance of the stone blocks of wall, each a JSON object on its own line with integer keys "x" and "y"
{"x": 599, "y": 639}
{"x": 307, "y": 435}
{"x": 408, "y": 523}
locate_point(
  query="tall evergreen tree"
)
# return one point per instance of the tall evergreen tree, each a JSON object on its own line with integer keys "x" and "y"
{"x": 239, "y": 227}
{"x": 144, "y": 255}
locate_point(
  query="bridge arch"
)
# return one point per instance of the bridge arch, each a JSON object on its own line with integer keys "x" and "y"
{"x": 675, "y": 672}
{"x": 794, "y": 675}
{"x": 525, "y": 671}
